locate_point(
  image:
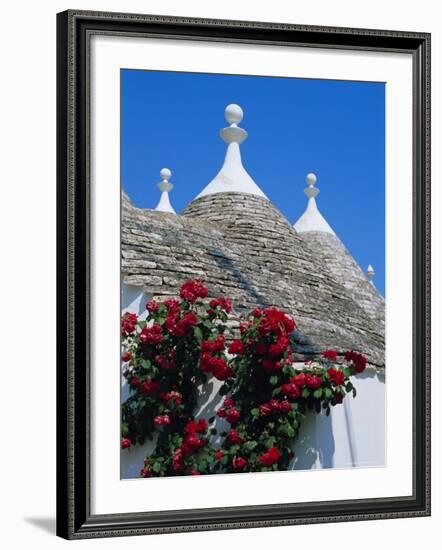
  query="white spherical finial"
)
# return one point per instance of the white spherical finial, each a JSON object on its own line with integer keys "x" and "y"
{"x": 165, "y": 173}
{"x": 370, "y": 272}
{"x": 164, "y": 185}
{"x": 311, "y": 178}
{"x": 233, "y": 113}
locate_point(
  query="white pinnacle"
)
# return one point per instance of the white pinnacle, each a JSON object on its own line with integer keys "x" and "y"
{"x": 312, "y": 219}
{"x": 370, "y": 272}
{"x": 165, "y": 187}
{"x": 233, "y": 177}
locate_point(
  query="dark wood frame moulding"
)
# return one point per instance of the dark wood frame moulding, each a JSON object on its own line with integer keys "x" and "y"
{"x": 74, "y": 30}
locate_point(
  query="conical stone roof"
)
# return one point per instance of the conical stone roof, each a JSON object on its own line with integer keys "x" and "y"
{"x": 242, "y": 247}
{"x": 329, "y": 249}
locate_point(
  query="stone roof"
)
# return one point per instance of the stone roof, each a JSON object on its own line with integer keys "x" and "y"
{"x": 332, "y": 253}
{"x": 244, "y": 248}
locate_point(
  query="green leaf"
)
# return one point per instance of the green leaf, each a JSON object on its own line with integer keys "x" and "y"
{"x": 354, "y": 391}
{"x": 156, "y": 467}
{"x": 198, "y": 334}
{"x": 276, "y": 392}
{"x": 254, "y": 412}
{"x": 273, "y": 380}
{"x": 328, "y": 393}
{"x": 348, "y": 386}
{"x": 213, "y": 431}
{"x": 317, "y": 393}
{"x": 290, "y": 431}
{"x": 211, "y": 419}
{"x": 289, "y": 370}
{"x": 250, "y": 445}
{"x": 305, "y": 392}
{"x": 346, "y": 371}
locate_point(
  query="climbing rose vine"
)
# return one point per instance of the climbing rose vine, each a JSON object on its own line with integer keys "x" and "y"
{"x": 180, "y": 344}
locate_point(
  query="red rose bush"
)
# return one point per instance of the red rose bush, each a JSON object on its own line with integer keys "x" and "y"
{"x": 182, "y": 342}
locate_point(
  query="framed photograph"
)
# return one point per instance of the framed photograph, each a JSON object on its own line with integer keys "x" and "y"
{"x": 243, "y": 274}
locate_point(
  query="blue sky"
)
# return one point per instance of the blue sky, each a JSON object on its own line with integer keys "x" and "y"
{"x": 333, "y": 128}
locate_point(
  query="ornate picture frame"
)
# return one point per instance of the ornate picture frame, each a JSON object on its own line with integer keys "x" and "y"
{"x": 75, "y": 519}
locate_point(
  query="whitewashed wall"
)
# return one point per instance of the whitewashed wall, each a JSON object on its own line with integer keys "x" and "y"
{"x": 352, "y": 436}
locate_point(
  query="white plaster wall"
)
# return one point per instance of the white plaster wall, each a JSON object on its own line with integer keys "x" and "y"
{"x": 352, "y": 436}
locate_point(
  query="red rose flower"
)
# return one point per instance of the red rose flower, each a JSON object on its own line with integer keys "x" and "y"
{"x": 338, "y": 398}
{"x": 149, "y": 387}
{"x": 276, "y": 322}
{"x": 191, "y": 444}
{"x": 219, "y": 454}
{"x": 163, "y": 420}
{"x": 135, "y": 382}
{"x": 265, "y": 409}
{"x": 285, "y": 407}
{"x": 202, "y": 426}
{"x": 290, "y": 390}
{"x": 275, "y": 350}
{"x": 206, "y": 362}
{"x": 239, "y": 463}
{"x": 152, "y": 335}
{"x": 177, "y": 461}
{"x": 330, "y": 354}
{"x": 234, "y": 438}
{"x": 152, "y": 306}
{"x": 195, "y": 473}
{"x": 232, "y": 416}
{"x": 313, "y": 382}
{"x": 336, "y": 376}
{"x": 172, "y": 396}
{"x": 271, "y": 366}
{"x": 213, "y": 346}
{"x": 125, "y": 443}
{"x": 171, "y": 322}
{"x": 359, "y": 361}
{"x": 244, "y": 327}
{"x": 300, "y": 380}
{"x": 237, "y": 347}
{"x": 224, "y": 303}
{"x": 228, "y": 402}
{"x": 128, "y": 323}
{"x": 192, "y": 290}
{"x": 257, "y": 312}
{"x": 126, "y": 356}
{"x": 182, "y": 327}
{"x": 193, "y": 427}
{"x": 270, "y": 457}
{"x": 172, "y": 305}
{"x": 220, "y": 370}
{"x": 145, "y": 472}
